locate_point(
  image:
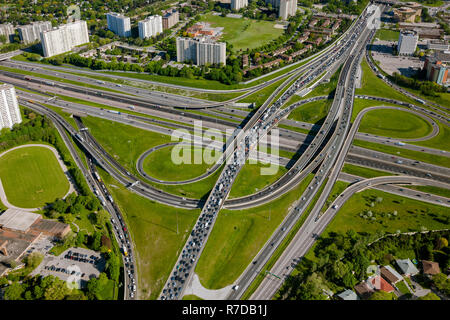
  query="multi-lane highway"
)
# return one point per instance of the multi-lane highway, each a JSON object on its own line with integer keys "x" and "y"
{"x": 343, "y": 102}
{"x": 264, "y": 119}
{"x": 322, "y": 152}
{"x": 99, "y": 189}
{"x": 308, "y": 233}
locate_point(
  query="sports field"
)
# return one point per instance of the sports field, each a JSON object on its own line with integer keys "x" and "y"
{"x": 32, "y": 176}
{"x": 244, "y": 33}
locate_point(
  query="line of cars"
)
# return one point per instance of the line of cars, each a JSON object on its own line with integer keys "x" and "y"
{"x": 64, "y": 270}
{"x": 82, "y": 257}
{"x": 199, "y": 234}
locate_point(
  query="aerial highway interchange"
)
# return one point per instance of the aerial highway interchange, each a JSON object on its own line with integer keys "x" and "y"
{"x": 320, "y": 153}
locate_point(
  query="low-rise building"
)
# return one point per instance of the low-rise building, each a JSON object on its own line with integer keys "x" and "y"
{"x": 378, "y": 283}
{"x": 245, "y": 60}
{"x": 281, "y": 50}
{"x": 408, "y": 12}
{"x": 389, "y": 273}
{"x": 313, "y": 22}
{"x": 363, "y": 290}
{"x": 204, "y": 29}
{"x": 438, "y": 45}
{"x": 20, "y": 229}
{"x": 407, "y": 267}
{"x": 301, "y": 51}
{"x": 425, "y": 30}
{"x": 348, "y": 295}
{"x": 304, "y": 37}
{"x": 430, "y": 267}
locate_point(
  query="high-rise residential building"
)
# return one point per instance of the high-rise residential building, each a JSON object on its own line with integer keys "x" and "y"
{"x": 31, "y": 32}
{"x": 170, "y": 19}
{"x": 238, "y": 4}
{"x": 286, "y": 8}
{"x": 9, "y": 108}
{"x": 437, "y": 67}
{"x": 64, "y": 38}
{"x": 7, "y": 30}
{"x": 407, "y": 42}
{"x": 119, "y": 24}
{"x": 150, "y": 27}
{"x": 201, "y": 51}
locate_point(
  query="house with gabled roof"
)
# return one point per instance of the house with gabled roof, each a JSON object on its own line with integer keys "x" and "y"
{"x": 348, "y": 295}
{"x": 378, "y": 283}
{"x": 363, "y": 290}
{"x": 407, "y": 267}
{"x": 430, "y": 267}
{"x": 390, "y": 275}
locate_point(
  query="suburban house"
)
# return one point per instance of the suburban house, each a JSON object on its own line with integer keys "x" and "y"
{"x": 430, "y": 267}
{"x": 347, "y": 295}
{"x": 407, "y": 267}
{"x": 390, "y": 275}
{"x": 363, "y": 290}
{"x": 378, "y": 283}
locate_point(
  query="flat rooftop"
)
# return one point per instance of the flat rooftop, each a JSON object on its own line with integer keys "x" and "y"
{"x": 19, "y": 220}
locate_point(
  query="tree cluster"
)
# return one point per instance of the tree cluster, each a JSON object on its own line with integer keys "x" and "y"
{"x": 428, "y": 88}
{"x": 342, "y": 259}
{"x": 42, "y": 288}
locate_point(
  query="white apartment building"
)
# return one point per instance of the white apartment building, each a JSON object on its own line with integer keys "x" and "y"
{"x": 407, "y": 42}
{"x": 9, "y": 107}
{"x": 31, "y": 32}
{"x": 150, "y": 27}
{"x": 7, "y": 30}
{"x": 238, "y": 4}
{"x": 201, "y": 51}
{"x": 286, "y": 8}
{"x": 64, "y": 38}
{"x": 119, "y": 24}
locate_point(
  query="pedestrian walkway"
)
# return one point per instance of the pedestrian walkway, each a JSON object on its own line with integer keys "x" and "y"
{"x": 196, "y": 288}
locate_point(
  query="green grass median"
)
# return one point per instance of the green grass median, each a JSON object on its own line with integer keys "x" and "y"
{"x": 237, "y": 237}
{"x": 153, "y": 228}
{"x": 395, "y": 124}
{"x": 406, "y": 153}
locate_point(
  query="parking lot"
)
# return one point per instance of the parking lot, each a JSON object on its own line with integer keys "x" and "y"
{"x": 382, "y": 52}
{"x": 77, "y": 263}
